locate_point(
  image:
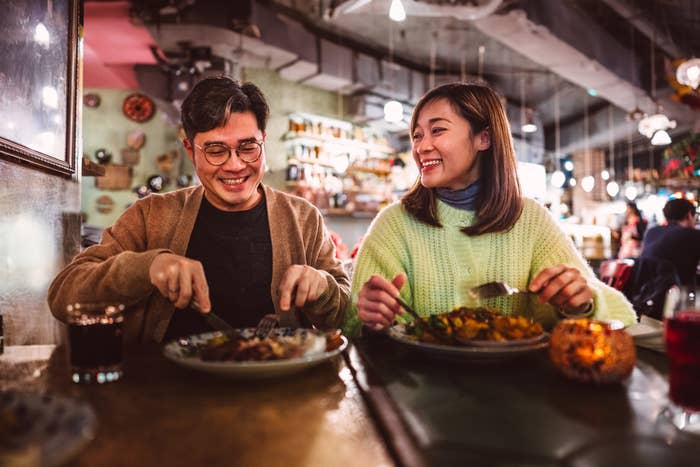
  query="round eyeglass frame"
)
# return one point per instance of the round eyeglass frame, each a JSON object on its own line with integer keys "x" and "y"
{"x": 258, "y": 143}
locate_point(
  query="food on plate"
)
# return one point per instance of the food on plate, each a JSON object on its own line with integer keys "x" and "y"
{"x": 242, "y": 347}
{"x": 463, "y": 325}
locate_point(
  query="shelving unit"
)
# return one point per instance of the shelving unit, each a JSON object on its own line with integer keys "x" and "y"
{"x": 342, "y": 168}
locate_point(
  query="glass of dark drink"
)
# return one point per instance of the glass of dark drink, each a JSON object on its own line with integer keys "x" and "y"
{"x": 682, "y": 337}
{"x": 95, "y": 340}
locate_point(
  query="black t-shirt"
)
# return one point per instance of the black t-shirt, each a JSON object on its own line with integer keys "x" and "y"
{"x": 677, "y": 244}
{"x": 236, "y": 252}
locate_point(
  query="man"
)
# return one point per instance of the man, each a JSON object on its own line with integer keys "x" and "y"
{"x": 232, "y": 245}
{"x": 678, "y": 241}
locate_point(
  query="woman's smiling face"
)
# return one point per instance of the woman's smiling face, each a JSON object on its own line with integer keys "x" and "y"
{"x": 444, "y": 147}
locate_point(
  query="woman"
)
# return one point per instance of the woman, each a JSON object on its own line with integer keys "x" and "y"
{"x": 465, "y": 223}
{"x": 632, "y": 232}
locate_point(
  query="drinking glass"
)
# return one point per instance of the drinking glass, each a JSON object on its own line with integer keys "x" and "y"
{"x": 682, "y": 337}
{"x": 95, "y": 340}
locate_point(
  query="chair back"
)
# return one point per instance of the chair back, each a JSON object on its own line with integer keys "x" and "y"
{"x": 616, "y": 272}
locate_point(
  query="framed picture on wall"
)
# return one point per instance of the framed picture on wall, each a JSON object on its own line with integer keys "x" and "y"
{"x": 38, "y": 83}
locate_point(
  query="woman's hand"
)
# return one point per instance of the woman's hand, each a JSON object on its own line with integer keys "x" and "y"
{"x": 376, "y": 306}
{"x": 564, "y": 287}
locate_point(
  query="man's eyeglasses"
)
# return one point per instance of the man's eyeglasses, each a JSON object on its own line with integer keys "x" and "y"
{"x": 218, "y": 154}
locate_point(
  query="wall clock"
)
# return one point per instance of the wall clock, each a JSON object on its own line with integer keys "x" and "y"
{"x": 138, "y": 107}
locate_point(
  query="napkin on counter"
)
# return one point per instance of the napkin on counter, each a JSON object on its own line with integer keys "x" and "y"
{"x": 648, "y": 333}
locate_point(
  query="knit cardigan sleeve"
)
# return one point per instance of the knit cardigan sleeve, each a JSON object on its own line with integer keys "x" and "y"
{"x": 117, "y": 269}
{"x": 554, "y": 247}
{"x": 383, "y": 252}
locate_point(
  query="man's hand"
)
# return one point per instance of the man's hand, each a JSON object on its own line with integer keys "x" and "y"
{"x": 564, "y": 287}
{"x": 180, "y": 280}
{"x": 307, "y": 282}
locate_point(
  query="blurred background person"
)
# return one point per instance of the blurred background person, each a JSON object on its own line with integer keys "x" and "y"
{"x": 678, "y": 241}
{"x": 632, "y": 232}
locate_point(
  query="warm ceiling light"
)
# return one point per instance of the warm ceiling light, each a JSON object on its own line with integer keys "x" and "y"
{"x": 393, "y": 111}
{"x": 396, "y": 11}
{"x": 613, "y": 189}
{"x": 688, "y": 73}
{"x": 605, "y": 175}
{"x": 572, "y": 182}
{"x": 587, "y": 183}
{"x": 568, "y": 165}
{"x": 661, "y": 138}
{"x": 631, "y": 192}
{"x": 528, "y": 125}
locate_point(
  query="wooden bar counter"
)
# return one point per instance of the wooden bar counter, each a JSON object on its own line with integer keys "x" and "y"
{"x": 160, "y": 414}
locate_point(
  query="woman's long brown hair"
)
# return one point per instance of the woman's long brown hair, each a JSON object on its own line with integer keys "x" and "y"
{"x": 499, "y": 201}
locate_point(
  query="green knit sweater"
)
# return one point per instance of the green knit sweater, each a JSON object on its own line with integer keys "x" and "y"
{"x": 442, "y": 263}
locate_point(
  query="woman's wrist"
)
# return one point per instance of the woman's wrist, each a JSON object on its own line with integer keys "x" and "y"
{"x": 584, "y": 311}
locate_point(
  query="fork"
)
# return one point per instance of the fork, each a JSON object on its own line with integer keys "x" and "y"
{"x": 266, "y": 325}
{"x": 494, "y": 289}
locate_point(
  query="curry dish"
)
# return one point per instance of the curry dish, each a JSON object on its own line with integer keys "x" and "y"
{"x": 475, "y": 324}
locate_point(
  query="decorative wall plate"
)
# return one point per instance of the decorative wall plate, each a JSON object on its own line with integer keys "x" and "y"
{"x": 138, "y": 107}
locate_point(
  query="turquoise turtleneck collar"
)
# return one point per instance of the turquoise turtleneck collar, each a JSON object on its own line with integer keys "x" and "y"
{"x": 464, "y": 198}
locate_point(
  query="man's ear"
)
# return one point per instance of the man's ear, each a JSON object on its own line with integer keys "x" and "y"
{"x": 189, "y": 149}
{"x": 483, "y": 140}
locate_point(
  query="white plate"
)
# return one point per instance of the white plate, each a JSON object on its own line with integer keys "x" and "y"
{"x": 646, "y": 328}
{"x": 467, "y": 352}
{"x": 506, "y": 343}
{"x": 44, "y": 430}
{"x": 180, "y": 352}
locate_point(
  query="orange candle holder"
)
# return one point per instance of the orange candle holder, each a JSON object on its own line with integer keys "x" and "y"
{"x": 592, "y": 351}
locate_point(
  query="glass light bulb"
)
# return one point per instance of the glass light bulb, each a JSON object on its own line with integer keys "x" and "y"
{"x": 393, "y": 111}
{"x": 396, "y": 11}
{"x": 613, "y": 189}
{"x": 558, "y": 179}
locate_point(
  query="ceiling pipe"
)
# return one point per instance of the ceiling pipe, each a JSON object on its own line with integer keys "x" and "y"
{"x": 645, "y": 27}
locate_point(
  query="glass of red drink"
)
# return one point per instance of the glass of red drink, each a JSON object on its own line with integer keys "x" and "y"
{"x": 95, "y": 340}
{"x": 682, "y": 338}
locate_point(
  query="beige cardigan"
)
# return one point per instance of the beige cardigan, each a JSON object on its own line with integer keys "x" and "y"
{"x": 118, "y": 268}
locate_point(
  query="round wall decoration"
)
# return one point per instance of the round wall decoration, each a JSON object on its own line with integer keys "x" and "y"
{"x": 91, "y": 100}
{"x": 104, "y": 204}
{"x": 138, "y": 107}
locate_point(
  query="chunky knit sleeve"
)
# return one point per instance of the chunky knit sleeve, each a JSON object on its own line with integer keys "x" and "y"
{"x": 554, "y": 247}
{"x": 383, "y": 252}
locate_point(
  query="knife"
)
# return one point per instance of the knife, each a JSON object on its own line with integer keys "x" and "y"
{"x": 212, "y": 319}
